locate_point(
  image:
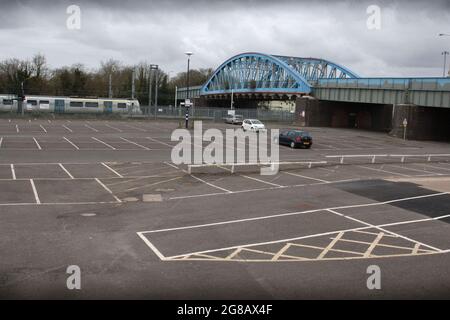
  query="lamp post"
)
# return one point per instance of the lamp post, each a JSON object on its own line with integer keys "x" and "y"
{"x": 189, "y": 54}
{"x": 187, "y": 102}
{"x": 150, "y": 74}
{"x": 445, "y": 54}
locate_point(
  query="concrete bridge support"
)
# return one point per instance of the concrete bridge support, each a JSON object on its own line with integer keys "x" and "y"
{"x": 321, "y": 113}
{"x": 423, "y": 123}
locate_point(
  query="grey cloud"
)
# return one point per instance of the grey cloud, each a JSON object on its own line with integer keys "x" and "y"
{"x": 160, "y": 31}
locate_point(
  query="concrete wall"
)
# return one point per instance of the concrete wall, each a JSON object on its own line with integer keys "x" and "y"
{"x": 424, "y": 123}
{"x": 317, "y": 113}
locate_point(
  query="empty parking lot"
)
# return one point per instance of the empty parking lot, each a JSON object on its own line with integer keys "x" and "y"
{"x": 105, "y": 196}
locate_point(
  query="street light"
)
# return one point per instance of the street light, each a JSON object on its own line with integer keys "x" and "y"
{"x": 445, "y": 54}
{"x": 154, "y": 67}
{"x": 189, "y": 54}
{"x": 187, "y": 104}
{"x": 110, "y": 93}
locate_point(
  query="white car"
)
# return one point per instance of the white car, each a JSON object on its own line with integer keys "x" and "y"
{"x": 253, "y": 125}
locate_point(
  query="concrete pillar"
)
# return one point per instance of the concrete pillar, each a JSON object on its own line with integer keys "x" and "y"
{"x": 311, "y": 112}
{"x": 424, "y": 123}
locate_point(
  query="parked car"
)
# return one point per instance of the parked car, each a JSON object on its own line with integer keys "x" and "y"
{"x": 295, "y": 138}
{"x": 253, "y": 125}
{"x": 234, "y": 119}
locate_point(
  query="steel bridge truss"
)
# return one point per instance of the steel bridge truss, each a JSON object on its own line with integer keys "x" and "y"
{"x": 261, "y": 73}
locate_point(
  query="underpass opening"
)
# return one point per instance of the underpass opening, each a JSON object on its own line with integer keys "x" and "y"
{"x": 315, "y": 113}
{"x": 422, "y": 123}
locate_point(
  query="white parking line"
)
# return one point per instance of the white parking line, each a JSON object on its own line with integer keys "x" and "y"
{"x": 67, "y": 128}
{"x": 211, "y": 185}
{"x": 149, "y": 184}
{"x": 306, "y": 211}
{"x": 36, "y": 196}
{"x": 330, "y": 245}
{"x": 66, "y": 171}
{"x": 88, "y": 126}
{"x": 261, "y": 189}
{"x": 151, "y": 246}
{"x": 435, "y": 167}
{"x": 416, "y": 170}
{"x": 391, "y": 224}
{"x": 112, "y": 170}
{"x": 140, "y": 129}
{"x": 17, "y": 128}
{"x": 42, "y": 127}
{"x": 162, "y": 257}
{"x": 1, "y": 140}
{"x": 107, "y": 189}
{"x": 381, "y": 170}
{"x": 107, "y": 125}
{"x": 13, "y": 172}
{"x": 306, "y": 177}
{"x": 171, "y": 165}
{"x": 136, "y": 144}
{"x": 262, "y": 181}
{"x": 108, "y": 145}
{"x": 73, "y": 144}
{"x": 163, "y": 143}
{"x": 37, "y": 144}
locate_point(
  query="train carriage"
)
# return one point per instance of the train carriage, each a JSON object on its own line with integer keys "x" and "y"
{"x": 51, "y": 104}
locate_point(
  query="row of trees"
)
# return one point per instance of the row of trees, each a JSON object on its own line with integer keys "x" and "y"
{"x": 76, "y": 80}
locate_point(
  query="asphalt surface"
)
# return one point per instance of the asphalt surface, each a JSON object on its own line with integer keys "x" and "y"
{"x": 105, "y": 196}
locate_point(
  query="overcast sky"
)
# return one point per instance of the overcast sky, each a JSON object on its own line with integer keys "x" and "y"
{"x": 160, "y": 32}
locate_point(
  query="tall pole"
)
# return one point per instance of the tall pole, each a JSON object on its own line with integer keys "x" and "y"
{"x": 445, "y": 53}
{"x": 150, "y": 85}
{"x": 21, "y": 98}
{"x": 176, "y": 96}
{"x": 189, "y": 54}
{"x": 110, "y": 86}
{"x": 150, "y": 72}
{"x": 187, "y": 76}
{"x": 156, "y": 90}
{"x": 232, "y": 99}
{"x": 133, "y": 87}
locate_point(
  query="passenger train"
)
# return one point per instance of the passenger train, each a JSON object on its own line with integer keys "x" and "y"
{"x": 48, "y": 104}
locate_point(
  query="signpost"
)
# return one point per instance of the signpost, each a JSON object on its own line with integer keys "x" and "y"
{"x": 405, "y": 125}
{"x": 187, "y": 104}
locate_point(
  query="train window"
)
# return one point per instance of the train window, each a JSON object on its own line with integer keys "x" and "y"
{"x": 122, "y": 105}
{"x": 32, "y": 102}
{"x": 76, "y": 104}
{"x": 91, "y": 105}
{"x": 106, "y": 104}
{"x": 44, "y": 102}
{"x": 7, "y": 102}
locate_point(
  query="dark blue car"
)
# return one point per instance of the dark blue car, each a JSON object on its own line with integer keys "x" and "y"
{"x": 295, "y": 138}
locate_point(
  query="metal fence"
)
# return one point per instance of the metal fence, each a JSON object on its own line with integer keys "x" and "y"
{"x": 216, "y": 114}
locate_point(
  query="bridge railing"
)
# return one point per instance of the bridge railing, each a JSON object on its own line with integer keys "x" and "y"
{"x": 425, "y": 84}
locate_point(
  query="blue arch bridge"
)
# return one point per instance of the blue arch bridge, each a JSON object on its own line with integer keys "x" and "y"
{"x": 328, "y": 94}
